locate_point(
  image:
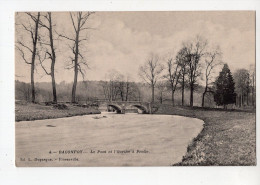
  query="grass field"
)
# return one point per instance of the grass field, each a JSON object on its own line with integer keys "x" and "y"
{"x": 29, "y": 111}
{"x": 228, "y": 137}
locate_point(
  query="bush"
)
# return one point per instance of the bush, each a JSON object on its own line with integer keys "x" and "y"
{"x": 60, "y": 106}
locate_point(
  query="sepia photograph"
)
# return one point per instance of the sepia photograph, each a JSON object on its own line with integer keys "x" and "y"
{"x": 135, "y": 88}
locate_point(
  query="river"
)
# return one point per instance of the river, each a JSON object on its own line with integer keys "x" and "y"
{"x": 107, "y": 139}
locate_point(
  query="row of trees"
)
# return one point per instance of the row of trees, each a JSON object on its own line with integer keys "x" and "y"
{"x": 237, "y": 90}
{"x": 119, "y": 87}
{"x": 197, "y": 60}
{"x": 120, "y": 90}
{"x": 37, "y": 42}
{"x": 226, "y": 89}
{"x": 185, "y": 68}
{"x": 245, "y": 86}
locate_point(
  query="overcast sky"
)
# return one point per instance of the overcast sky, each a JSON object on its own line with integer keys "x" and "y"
{"x": 122, "y": 40}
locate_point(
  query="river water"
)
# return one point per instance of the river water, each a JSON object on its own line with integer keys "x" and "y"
{"x": 107, "y": 139}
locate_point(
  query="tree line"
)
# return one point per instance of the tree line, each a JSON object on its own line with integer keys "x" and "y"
{"x": 195, "y": 62}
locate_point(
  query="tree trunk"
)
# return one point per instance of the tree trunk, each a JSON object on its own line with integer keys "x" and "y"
{"x": 139, "y": 96}
{"x": 247, "y": 102}
{"x": 183, "y": 87}
{"x": 172, "y": 97}
{"x": 241, "y": 99}
{"x": 74, "y": 88}
{"x": 53, "y": 87}
{"x": 203, "y": 96}
{"x": 182, "y": 90}
{"x": 54, "y": 94}
{"x": 191, "y": 94}
{"x": 32, "y": 80}
{"x": 161, "y": 99}
{"x": 33, "y": 56}
{"x": 127, "y": 89}
{"x": 253, "y": 92}
{"x": 152, "y": 93}
{"x": 122, "y": 95}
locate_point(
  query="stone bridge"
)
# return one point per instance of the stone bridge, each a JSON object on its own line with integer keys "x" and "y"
{"x": 121, "y": 106}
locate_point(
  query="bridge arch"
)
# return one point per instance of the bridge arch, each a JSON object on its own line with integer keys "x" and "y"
{"x": 116, "y": 107}
{"x": 140, "y": 107}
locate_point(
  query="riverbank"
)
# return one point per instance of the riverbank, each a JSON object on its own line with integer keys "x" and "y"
{"x": 227, "y": 139}
{"x": 30, "y": 111}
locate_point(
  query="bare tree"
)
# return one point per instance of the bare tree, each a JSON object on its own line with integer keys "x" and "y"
{"x": 79, "y": 21}
{"x": 194, "y": 52}
{"x": 114, "y": 86}
{"x": 30, "y": 47}
{"x": 105, "y": 88}
{"x": 252, "y": 83}
{"x": 49, "y": 51}
{"x": 162, "y": 87}
{"x": 212, "y": 59}
{"x": 181, "y": 59}
{"x": 151, "y": 71}
{"x": 121, "y": 89}
{"x": 242, "y": 82}
{"x": 173, "y": 69}
{"x": 128, "y": 88}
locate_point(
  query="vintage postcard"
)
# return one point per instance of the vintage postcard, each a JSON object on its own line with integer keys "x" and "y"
{"x": 152, "y": 88}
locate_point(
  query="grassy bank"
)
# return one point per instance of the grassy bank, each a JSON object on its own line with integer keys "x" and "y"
{"x": 228, "y": 137}
{"x": 29, "y": 111}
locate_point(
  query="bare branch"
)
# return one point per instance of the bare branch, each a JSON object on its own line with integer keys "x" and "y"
{"x": 88, "y": 28}
{"x": 64, "y": 36}
{"x": 84, "y": 63}
{"x": 85, "y": 18}
{"x": 29, "y": 30}
{"x": 41, "y": 62}
{"x": 80, "y": 55}
{"x": 82, "y": 71}
{"x": 23, "y": 45}
{"x": 42, "y": 24}
{"x": 32, "y": 16}
{"x": 73, "y": 22}
{"x": 23, "y": 56}
{"x": 82, "y": 40}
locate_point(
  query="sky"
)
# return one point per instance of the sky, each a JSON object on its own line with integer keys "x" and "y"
{"x": 122, "y": 41}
